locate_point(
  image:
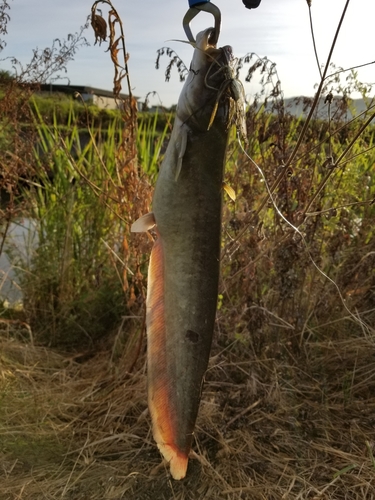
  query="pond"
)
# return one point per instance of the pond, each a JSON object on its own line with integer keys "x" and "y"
{"x": 20, "y": 241}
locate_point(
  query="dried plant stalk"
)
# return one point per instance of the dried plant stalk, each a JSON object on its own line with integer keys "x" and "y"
{"x": 132, "y": 188}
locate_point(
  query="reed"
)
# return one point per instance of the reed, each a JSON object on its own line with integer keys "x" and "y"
{"x": 72, "y": 281}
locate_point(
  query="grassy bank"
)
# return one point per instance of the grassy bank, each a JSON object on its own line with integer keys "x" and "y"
{"x": 274, "y": 422}
{"x": 287, "y": 409}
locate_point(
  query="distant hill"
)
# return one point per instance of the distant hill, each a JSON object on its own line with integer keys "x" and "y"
{"x": 299, "y": 106}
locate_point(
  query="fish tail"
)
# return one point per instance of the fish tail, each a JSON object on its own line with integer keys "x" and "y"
{"x": 178, "y": 461}
{"x": 160, "y": 400}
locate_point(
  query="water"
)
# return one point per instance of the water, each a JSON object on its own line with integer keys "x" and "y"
{"x": 21, "y": 240}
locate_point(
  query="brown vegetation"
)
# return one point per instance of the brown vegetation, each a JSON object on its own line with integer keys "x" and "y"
{"x": 288, "y": 405}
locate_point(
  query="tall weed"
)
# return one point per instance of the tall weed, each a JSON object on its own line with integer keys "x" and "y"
{"x": 306, "y": 255}
{"x": 72, "y": 289}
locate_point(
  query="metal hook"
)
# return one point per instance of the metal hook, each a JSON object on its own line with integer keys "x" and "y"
{"x": 194, "y": 11}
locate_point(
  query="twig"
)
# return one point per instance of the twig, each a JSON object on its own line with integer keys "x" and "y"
{"x": 313, "y": 39}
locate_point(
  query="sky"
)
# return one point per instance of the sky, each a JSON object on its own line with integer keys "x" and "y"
{"x": 278, "y": 29}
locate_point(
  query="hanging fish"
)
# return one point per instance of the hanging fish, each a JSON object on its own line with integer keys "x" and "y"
{"x": 183, "y": 273}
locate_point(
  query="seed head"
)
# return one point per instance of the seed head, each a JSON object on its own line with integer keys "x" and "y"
{"x": 328, "y": 98}
{"x": 100, "y": 28}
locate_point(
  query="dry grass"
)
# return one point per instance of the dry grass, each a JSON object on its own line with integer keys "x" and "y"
{"x": 292, "y": 419}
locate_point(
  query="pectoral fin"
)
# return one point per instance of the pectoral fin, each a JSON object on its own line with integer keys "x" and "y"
{"x": 181, "y": 145}
{"x": 144, "y": 223}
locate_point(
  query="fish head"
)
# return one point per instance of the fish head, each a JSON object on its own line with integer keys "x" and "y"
{"x": 205, "y": 89}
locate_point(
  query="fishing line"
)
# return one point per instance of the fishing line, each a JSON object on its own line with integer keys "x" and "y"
{"x": 356, "y": 319}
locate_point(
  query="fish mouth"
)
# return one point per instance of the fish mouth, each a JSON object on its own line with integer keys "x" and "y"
{"x": 206, "y": 41}
{"x": 209, "y": 56}
{"x": 211, "y": 37}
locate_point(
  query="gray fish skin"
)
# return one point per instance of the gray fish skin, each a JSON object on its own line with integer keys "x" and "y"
{"x": 182, "y": 292}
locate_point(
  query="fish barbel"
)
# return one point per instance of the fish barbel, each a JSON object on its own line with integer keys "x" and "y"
{"x": 183, "y": 273}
